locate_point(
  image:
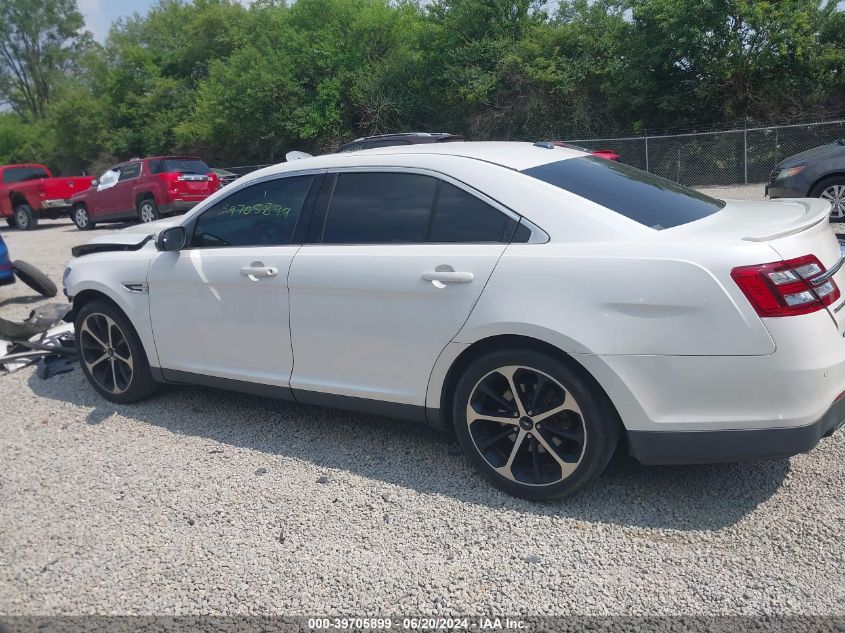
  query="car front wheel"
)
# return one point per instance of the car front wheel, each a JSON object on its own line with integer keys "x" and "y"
{"x": 81, "y": 218}
{"x": 833, "y": 190}
{"x": 111, "y": 354}
{"x": 534, "y": 425}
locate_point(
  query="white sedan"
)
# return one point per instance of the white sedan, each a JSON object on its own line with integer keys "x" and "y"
{"x": 544, "y": 304}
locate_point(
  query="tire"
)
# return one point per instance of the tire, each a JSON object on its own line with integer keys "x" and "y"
{"x": 34, "y": 278}
{"x": 80, "y": 217}
{"x": 567, "y": 451}
{"x": 25, "y": 218}
{"x": 832, "y": 189}
{"x": 147, "y": 210}
{"x": 111, "y": 355}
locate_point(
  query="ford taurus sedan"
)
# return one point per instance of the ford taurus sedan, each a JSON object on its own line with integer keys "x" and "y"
{"x": 543, "y": 304}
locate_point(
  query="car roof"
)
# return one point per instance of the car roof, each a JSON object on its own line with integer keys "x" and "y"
{"x": 433, "y": 136}
{"x": 510, "y": 154}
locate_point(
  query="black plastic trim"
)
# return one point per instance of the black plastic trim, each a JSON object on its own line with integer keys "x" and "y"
{"x": 400, "y": 411}
{"x": 242, "y": 386}
{"x": 709, "y": 447}
{"x": 88, "y": 249}
{"x": 362, "y": 405}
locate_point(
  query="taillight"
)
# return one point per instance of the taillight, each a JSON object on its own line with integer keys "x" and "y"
{"x": 786, "y": 288}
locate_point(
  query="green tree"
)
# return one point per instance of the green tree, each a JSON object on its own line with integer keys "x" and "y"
{"x": 40, "y": 44}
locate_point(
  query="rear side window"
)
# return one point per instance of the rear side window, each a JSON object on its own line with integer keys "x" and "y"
{"x": 262, "y": 214}
{"x": 461, "y": 217}
{"x": 379, "y": 208}
{"x": 648, "y": 199}
{"x": 20, "y": 174}
{"x": 179, "y": 166}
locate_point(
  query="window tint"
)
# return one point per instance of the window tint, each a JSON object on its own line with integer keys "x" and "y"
{"x": 132, "y": 170}
{"x": 263, "y": 214}
{"x": 20, "y": 174}
{"x": 379, "y": 208}
{"x": 179, "y": 165}
{"x": 638, "y": 195}
{"x": 461, "y": 217}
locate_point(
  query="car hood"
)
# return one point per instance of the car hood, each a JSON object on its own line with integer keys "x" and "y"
{"x": 831, "y": 149}
{"x": 129, "y": 239}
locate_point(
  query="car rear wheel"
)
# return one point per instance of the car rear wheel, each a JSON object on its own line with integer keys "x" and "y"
{"x": 81, "y": 218}
{"x": 147, "y": 210}
{"x": 25, "y": 217}
{"x": 833, "y": 190}
{"x": 111, "y": 354}
{"x": 536, "y": 427}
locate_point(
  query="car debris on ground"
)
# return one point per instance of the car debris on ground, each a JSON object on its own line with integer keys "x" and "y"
{"x": 44, "y": 338}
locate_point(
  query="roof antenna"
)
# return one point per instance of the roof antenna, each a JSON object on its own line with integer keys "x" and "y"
{"x": 291, "y": 156}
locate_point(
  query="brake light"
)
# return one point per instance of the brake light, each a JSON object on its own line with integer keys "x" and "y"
{"x": 786, "y": 288}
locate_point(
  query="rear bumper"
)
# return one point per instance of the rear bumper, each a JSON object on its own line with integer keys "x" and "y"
{"x": 58, "y": 203}
{"x": 178, "y": 206}
{"x": 705, "y": 447}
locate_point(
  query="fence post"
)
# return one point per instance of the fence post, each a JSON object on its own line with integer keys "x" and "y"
{"x": 646, "y": 153}
{"x": 745, "y": 153}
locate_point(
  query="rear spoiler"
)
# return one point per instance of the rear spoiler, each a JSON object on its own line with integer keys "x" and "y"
{"x": 90, "y": 249}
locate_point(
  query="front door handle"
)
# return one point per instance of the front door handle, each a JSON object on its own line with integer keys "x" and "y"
{"x": 448, "y": 276}
{"x": 257, "y": 269}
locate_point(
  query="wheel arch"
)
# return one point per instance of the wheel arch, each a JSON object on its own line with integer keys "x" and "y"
{"x": 500, "y": 341}
{"x": 137, "y": 314}
{"x": 16, "y": 199}
{"x": 140, "y": 196}
{"x": 820, "y": 179}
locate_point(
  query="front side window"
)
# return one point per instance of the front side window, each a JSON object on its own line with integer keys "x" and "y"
{"x": 262, "y": 214}
{"x": 648, "y": 199}
{"x": 132, "y": 170}
{"x": 379, "y": 208}
{"x": 109, "y": 178}
{"x": 21, "y": 174}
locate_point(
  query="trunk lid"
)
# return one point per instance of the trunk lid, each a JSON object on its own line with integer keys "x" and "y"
{"x": 192, "y": 187}
{"x": 791, "y": 227}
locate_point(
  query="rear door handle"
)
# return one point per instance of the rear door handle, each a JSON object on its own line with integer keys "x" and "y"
{"x": 258, "y": 269}
{"x": 448, "y": 277}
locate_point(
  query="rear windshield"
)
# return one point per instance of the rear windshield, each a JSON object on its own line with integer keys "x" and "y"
{"x": 179, "y": 165}
{"x": 19, "y": 174}
{"x": 648, "y": 199}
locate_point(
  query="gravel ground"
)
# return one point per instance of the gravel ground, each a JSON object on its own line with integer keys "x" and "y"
{"x": 201, "y": 501}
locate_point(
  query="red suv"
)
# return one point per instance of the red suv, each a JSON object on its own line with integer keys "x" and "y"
{"x": 144, "y": 189}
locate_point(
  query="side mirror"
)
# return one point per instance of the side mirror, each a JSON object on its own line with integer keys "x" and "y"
{"x": 172, "y": 239}
{"x": 95, "y": 183}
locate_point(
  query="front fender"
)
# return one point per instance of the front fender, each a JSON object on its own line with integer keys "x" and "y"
{"x": 135, "y": 305}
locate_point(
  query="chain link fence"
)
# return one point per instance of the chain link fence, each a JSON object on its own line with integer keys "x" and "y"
{"x": 727, "y": 157}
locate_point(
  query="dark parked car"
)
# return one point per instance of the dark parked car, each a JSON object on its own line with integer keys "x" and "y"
{"x": 225, "y": 176}
{"x": 404, "y": 138}
{"x": 816, "y": 173}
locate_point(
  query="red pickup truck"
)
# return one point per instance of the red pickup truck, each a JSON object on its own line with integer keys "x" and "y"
{"x": 28, "y": 191}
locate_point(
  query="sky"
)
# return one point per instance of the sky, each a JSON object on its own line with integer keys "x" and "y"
{"x": 99, "y": 14}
